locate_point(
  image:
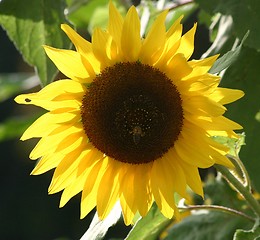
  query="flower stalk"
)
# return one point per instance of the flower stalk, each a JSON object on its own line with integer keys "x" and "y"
{"x": 217, "y": 208}
{"x": 242, "y": 172}
{"x": 252, "y": 202}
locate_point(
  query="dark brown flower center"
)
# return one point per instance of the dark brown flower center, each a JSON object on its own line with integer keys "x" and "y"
{"x": 132, "y": 112}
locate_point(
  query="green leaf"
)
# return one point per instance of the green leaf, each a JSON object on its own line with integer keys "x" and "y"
{"x": 12, "y": 84}
{"x": 244, "y": 74}
{"x": 208, "y": 224}
{"x": 83, "y": 12}
{"x": 99, "y": 18}
{"x": 233, "y": 143}
{"x": 149, "y": 227}
{"x": 228, "y": 58}
{"x": 220, "y": 34}
{"x": 204, "y": 18}
{"x": 216, "y": 188}
{"x": 257, "y": 116}
{"x": 205, "y": 226}
{"x": 247, "y": 235}
{"x": 245, "y": 16}
{"x": 30, "y": 24}
{"x": 100, "y": 15}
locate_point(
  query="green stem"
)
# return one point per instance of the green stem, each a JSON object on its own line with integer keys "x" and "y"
{"x": 245, "y": 173}
{"x": 252, "y": 202}
{"x": 181, "y": 5}
{"x": 217, "y": 208}
{"x": 241, "y": 170}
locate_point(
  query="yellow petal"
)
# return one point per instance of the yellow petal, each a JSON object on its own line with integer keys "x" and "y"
{"x": 47, "y": 163}
{"x": 60, "y": 128}
{"x": 225, "y": 95}
{"x": 100, "y": 43}
{"x": 200, "y": 140}
{"x": 223, "y": 160}
{"x": 130, "y": 39}
{"x": 203, "y": 85}
{"x": 177, "y": 68}
{"x": 190, "y": 153}
{"x": 173, "y": 40}
{"x": 127, "y": 198}
{"x": 69, "y": 63}
{"x": 201, "y": 67}
{"x": 90, "y": 189}
{"x": 66, "y": 171}
{"x": 86, "y": 165}
{"x": 200, "y": 105}
{"x": 44, "y": 147}
{"x": 192, "y": 177}
{"x": 177, "y": 173}
{"x": 163, "y": 177}
{"x": 81, "y": 44}
{"x": 164, "y": 201}
{"x": 89, "y": 157}
{"x": 60, "y": 87}
{"x": 53, "y": 90}
{"x": 64, "y": 117}
{"x": 227, "y": 133}
{"x": 45, "y": 125}
{"x": 108, "y": 192}
{"x": 175, "y": 31}
{"x": 74, "y": 188}
{"x": 35, "y": 99}
{"x": 198, "y": 134}
{"x": 214, "y": 123}
{"x": 84, "y": 48}
{"x": 115, "y": 24}
{"x": 142, "y": 189}
{"x": 70, "y": 139}
{"x": 128, "y": 211}
{"x": 187, "y": 43}
{"x": 153, "y": 44}
{"x": 41, "y": 127}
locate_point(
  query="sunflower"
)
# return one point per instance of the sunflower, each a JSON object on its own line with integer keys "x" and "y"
{"x": 134, "y": 120}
